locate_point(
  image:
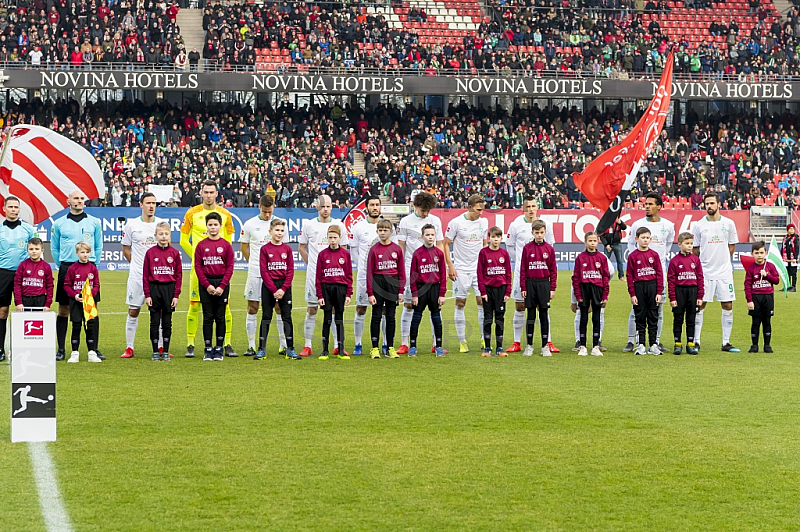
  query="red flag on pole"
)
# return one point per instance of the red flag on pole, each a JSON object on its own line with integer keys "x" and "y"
{"x": 608, "y": 179}
{"x": 42, "y": 168}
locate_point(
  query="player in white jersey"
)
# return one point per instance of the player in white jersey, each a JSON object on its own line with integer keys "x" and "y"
{"x": 409, "y": 238}
{"x": 519, "y": 235}
{"x": 715, "y": 240}
{"x": 662, "y": 233}
{"x": 313, "y": 239}
{"x": 467, "y": 234}
{"x": 138, "y": 235}
{"x": 254, "y": 234}
{"x": 365, "y": 235}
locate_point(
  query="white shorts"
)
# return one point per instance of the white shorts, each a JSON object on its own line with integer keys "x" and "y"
{"x": 463, "y": 283}
{"x": 134, "y": 297}
{"x": 362, "y": 298}
{"x": 516, "y": 291}
{"x": 721, "y": 289}
{"x": 311, "y": 292}
{"x": 252, "y": 288}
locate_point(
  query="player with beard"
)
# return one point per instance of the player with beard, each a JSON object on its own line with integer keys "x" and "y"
{"x": 715, "y": 240}
{"x": 365, "y": 235}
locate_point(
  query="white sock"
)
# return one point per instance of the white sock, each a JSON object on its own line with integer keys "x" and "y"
{"x": 698, "y": 326}
{"x": 660, "y": 321}
{"x": 405, "y": 325}
{"x": 433, "y": 335}
{"x": 160, "y": 336}
{"x": 632, "y": 327}
{"x": 334, "y": 335}
{"x": 309, "y": 325}
{"x": 578, "y": 325}
{"x": 130, "y": 330}
{"x": 602, "y": 321}
{"x": 549, "y": 326}
{"x": 727, "y": 326}
{"x": 461, "y": 324}
{"x": 358, "y": 327}
{"x": 480, "y": 320}
{"x": 250, "y": 325}
{"x": 519, "y": 324}
{"x": 383, "y": 330}
{"x": 281, "y": 335}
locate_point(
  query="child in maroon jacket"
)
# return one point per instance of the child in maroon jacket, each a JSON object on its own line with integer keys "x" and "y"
{"x": 334, "y": 287}
{"x": 538, "y": 274}
{"x": 494, "y": 283}
{"x": 645, "y": 277}
{"x": 162, "y": 274}
{"x": 590, "y": 284}
{"x": 428, "y": 281}
{"x": 77, "y": 274}
{"x": 276, "y": 262}
{"x": 213, "y": 259}
{"x": 386, "y": 281}
{"x": 33, "y": 282}
{"x": 686, "y": 288}
{"x": 758, "y": 280}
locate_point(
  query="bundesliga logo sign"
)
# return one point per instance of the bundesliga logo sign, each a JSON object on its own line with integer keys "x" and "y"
{"x": 33, "y": 329}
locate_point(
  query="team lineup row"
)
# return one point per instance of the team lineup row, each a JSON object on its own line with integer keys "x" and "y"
{"x": 406, "y": 266}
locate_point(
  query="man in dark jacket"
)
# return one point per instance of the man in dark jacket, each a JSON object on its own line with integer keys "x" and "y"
{"x": 612, "y": 240}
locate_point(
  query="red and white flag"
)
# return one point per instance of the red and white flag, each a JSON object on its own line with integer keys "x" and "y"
{"x": 357, "y": 213}
{"x": 608, "y": 179}
{"x": 42, "y": 168}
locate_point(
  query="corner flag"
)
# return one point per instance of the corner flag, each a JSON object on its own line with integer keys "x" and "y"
{"x": 774, "y": 256}
{"x": 89, "y": 308}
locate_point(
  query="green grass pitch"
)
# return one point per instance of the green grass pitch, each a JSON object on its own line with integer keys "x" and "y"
{"x": 460, "y": 443}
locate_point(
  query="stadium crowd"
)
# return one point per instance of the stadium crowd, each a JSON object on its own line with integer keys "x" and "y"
{"x": 80, "y": 34}
{"x": 295, "y": 154}
{"x": 587, "y": 37}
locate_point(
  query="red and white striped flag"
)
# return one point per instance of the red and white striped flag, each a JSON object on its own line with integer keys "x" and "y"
{"x": 42, "y": 168}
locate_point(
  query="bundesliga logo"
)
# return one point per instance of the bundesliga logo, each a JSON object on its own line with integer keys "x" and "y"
{"x": 33, "y": 328}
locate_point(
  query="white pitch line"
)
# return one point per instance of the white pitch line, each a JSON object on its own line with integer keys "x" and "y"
{"x": 44, "y": 472}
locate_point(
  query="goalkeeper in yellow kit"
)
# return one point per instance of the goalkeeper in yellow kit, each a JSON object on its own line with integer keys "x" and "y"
{"x": 193, "y": 231}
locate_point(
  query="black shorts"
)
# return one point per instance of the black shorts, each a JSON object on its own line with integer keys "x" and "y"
{"x": 686, "y": 297}
{"x": 6, "y": 287}
{"x": 591, "y": 293}
{"x": 427, "y": 296}
{"x": 646, "y": 292}
{"x": 334, "y": 295}
{"x": 76, "y": 311}
{"x": 764, "y": 305}
{"x": 34, "y": 302}
{"x": 494, "y": 300}
{"x": 207, "y": 299}
{"x": 537, "y": 293}
{"x": 61, "y": 295}
{"x": 162, "y": 295}
{"x": 386, "y": 288}
{"x": 268, "y": 298}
